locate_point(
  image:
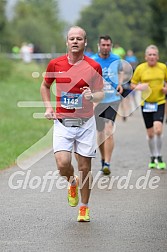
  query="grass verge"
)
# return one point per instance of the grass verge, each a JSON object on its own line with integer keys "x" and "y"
{"x": 18, "y": 129}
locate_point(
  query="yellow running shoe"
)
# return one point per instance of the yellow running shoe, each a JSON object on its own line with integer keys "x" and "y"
{"x": 83, "y": 214}
{"x": 73, "y": 198}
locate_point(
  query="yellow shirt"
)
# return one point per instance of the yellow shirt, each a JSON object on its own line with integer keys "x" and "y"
{"x": 155, "y": 77}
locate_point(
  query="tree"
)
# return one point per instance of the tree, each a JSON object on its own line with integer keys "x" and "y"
{"x": 127, "y": 22}
{"x": 158, "y": 26}
{"x": 37, "y": 22}
{"x": 2, "y": 24}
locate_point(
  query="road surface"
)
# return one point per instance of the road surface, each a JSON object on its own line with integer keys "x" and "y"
{"x": 128, "y": 210}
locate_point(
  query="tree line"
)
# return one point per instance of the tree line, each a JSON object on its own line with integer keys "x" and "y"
{"x": 132, "y": 24}
{"x": 34, "y": 21}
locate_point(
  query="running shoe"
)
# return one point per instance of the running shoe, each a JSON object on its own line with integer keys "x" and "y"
{"x": 161, "y": 164}
{"x": 106, "y": 169}
{"x": 73, "y": 198}
{"x": 83, "y": 215}
{"x": 153, "y": 163}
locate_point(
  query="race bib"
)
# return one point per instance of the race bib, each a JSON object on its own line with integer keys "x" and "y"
{"x": 150, "y": 107}
{"x": 71, "y": 101}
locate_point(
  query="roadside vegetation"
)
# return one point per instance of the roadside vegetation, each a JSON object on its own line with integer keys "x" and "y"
{"x": 18, "y": 129}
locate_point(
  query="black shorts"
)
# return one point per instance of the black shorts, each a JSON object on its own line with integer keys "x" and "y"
{"x": 105, "y": 112}
{"x": 126, "y": 89}
{"x": 126, "y": 92}
{"x": 151, "y": 117}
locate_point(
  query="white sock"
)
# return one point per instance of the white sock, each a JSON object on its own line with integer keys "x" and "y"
{"x": 152, "y": 146}
{"x": 82, "y": 204}
{"x": 158, "y": 143}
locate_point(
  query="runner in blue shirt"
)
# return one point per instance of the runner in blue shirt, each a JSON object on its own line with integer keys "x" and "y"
{"x": 106, "y": 110}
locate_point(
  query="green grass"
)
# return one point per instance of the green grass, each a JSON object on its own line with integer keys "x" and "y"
{"x": 18, "y": 129}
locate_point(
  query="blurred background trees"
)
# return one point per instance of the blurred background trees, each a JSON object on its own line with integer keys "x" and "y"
{"x": 125, "y": 21}
{"x": 36, "y": 22}
{"x": 132, "y": 24}
{"x": 158, "y": 26}
{"x": 2, "y": 24}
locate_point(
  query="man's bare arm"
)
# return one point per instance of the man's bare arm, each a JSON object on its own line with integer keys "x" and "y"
{"x": 45, "y": 93}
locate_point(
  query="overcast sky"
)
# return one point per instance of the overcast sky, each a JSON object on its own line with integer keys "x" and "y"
{"x": 9, "y": 8}
{"x": 69, "y": 9}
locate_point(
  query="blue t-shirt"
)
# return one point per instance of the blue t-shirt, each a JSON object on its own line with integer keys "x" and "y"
{"x": 131, "y": 59}
{"x": 110, "y": 68}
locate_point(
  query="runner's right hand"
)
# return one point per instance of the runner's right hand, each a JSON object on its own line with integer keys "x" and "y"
{"x": 50, "y": 114}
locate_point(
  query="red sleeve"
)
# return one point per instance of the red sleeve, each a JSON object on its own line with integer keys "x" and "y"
{"x": 98, "y": 79}
{"x": 50, "y": 72}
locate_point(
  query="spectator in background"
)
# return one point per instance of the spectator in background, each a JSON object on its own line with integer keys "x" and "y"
{"x": 15, "y": 49}
{"x": 26, "y": 52}
{"x": 118, "y": 50}
{"x": 131, "y": 58}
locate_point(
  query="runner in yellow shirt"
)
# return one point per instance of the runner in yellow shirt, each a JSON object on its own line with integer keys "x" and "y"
{"x": 152, "y": 76}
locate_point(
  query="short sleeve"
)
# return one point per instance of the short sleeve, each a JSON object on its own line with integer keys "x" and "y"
{"x": 50, "y": 73}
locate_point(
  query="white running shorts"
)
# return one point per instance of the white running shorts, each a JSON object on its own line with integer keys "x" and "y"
{"x": 80, "y": 139}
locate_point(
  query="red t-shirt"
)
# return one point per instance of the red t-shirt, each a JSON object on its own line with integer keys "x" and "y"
{"x": 69, "y": 81}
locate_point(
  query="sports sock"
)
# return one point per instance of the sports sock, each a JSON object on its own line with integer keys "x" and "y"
{"x": 152, "y": 146}
{"x": 158, "y": 144}
{"x": 82, "y": 204}
{"x": 106, "y": 163}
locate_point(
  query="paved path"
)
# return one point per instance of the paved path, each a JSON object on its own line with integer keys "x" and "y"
{"x": 122, "y": 220}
